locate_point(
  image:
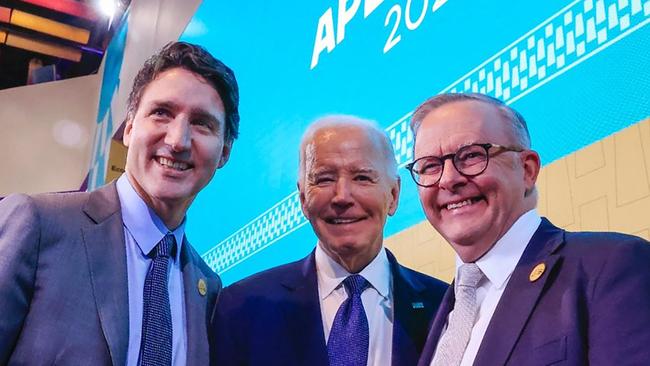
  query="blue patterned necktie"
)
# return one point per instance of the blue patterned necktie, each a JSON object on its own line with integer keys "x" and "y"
{"x": 156, "y": 342}
{"x": 349, "y": 338}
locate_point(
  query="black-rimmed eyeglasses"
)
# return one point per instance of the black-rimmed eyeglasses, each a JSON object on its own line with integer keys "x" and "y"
{"x": 470, "y": 161}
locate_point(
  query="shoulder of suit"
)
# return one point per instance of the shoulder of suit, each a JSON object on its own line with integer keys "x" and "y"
{"x": 199, "y": 262}
{"x": 598, "y": 243}
{"x": 433, "y": 285}
{"x": 49, "y": 204}
{"x": 423, "y": 278}
{"x": 262, "y": 281}
{"x": 596, "y": 250}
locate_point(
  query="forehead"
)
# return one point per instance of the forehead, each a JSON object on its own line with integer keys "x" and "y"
{"x": 459, "y": 123}
{"x": 182, "y": 87}
{"x": 343, "y": 146}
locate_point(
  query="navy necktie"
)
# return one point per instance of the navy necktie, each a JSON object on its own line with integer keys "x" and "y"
{"x": 156, "y": 341}
{"x": 349, "y": 338}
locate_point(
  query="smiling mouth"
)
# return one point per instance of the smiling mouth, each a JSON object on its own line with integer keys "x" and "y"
{"x": 342, "y": 221}
{"x": 459, "y": 204}
{"x": 173, "y": 164}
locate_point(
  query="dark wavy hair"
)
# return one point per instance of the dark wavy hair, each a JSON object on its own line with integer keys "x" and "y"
{"x": 198, "y": 60}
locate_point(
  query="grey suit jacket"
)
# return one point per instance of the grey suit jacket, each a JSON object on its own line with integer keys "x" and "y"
{"x": 63, "y": 282}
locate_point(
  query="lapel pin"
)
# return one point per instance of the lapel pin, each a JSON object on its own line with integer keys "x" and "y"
{"x": 417, "y": 305}
{"x": 203, "y": 287}
{"x": 537, "y": 272}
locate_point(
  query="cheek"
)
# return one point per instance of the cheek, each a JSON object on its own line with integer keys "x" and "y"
{"x": 209, "y": 151}
{"x": 427, "y": 197}
{"x": 313, "y": 200}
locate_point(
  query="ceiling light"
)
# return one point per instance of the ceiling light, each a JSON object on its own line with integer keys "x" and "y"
{"x": 108, "y": 7}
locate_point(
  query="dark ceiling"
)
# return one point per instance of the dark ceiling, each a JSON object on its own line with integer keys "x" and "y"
{"x": 28, "y": 31}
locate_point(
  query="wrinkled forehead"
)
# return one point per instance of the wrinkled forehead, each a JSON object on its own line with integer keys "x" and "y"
{"x": 453, "y": 125}
{"x": 343, "y": 145}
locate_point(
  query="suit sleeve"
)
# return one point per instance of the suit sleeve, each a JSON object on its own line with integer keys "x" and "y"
{"x": 19, "y": 243}
{"x": 619, "y": 320}
{"x": 223, "y": 345}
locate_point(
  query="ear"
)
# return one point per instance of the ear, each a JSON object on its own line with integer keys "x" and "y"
{"x": 225, "y": 154}
{"x": 128, "y": 129}
{"x": 301, "y": 195}
{"x": 394, "y": 196}
{"x": 532, "y": 165}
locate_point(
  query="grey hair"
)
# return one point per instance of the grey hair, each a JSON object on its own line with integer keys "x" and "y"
{"x": 518, "y": 124}
{"x": 372, "y": 129}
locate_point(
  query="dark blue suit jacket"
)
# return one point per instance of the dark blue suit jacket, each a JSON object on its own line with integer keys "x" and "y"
{"x": 274, "y": 317}
{"x": 590, "y": 307}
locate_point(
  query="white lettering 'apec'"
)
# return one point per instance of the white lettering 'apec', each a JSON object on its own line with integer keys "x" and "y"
{"x": 328, "y": 37}
{"x": 345, "y": 15}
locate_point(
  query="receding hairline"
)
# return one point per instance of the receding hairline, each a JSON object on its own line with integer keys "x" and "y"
{"x": 370, "y": 127}
{"x": 516, "y": 122}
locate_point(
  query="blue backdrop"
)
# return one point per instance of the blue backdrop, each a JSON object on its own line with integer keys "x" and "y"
{"x": 578, "y": 71}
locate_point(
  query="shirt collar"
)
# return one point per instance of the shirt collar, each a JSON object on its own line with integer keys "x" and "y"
{"x": 331, "y": 274}
{"x": 142, "y": 222}
{"x": 499, "y": 262}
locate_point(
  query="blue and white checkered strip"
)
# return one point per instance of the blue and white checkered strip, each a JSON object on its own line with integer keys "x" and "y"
{"x": 572, "y": 35}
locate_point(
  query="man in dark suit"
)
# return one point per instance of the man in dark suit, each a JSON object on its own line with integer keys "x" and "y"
{"x": 107, "y": 277}
{"x": 525, "y": 292}
{"x": 349, "y": 302}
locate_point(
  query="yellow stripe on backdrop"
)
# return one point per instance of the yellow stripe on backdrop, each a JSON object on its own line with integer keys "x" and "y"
{"x": 48, "y": 26}
{"x": 67, "y": 53}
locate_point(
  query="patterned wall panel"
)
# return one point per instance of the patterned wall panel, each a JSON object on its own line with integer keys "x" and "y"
{"x": 569, "y": 37}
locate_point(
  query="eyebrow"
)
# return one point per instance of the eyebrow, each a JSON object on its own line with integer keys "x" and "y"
{"x": 194, "y": 112}
{"x": 365, "y": 171}
{"x": 201, "y": 114}
{"x": 163, "y": 104}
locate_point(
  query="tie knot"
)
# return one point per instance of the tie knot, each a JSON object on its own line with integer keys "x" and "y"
{"x": 355, "y": 284}
{"x": 469, "y": 275}
{"x": 165, "y": 246}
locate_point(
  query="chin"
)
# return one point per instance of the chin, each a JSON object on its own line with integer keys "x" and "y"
{"x": 171, "y": 194}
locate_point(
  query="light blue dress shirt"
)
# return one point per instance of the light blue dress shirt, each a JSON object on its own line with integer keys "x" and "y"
{"x": 143, "y": 229}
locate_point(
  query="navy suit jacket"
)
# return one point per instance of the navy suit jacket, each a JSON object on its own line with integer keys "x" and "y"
{"x": 63, "y": 282}
{"x": 591, "y": 306}
{"x": 274, "y": 317}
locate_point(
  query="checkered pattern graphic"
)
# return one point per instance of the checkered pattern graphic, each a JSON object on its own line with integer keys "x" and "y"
{"x": 277, "y": 222}
{"x": 582, "y": 28}
{"x": 572, "y": 35}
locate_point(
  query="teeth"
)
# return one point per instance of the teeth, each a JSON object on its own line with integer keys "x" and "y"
{"x": 343, "y": 221}
{"x": 452, "y": 206}
{"x": 177, "y": 165}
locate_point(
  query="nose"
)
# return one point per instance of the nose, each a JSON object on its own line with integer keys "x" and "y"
{"x": 342, "y": 194}
{"x": 178, "y": 135}
{"x": 451, "y": 179}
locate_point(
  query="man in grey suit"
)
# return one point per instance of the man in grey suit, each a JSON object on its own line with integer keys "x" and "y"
{"x": 107, "y": 277}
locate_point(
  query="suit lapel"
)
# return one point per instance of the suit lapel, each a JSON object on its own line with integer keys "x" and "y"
{"x": 439, "y": 321}
{"x": 520, "y": 296}
{"x": 106, "y": 254}
{"x": 410, "y": 311}
{"x": 195, "y": 309}
{"x": 303, "y": 315}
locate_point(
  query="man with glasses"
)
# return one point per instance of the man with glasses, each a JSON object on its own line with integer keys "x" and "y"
{"x": 348, "y": 303}
{"x": 525, "y": 291}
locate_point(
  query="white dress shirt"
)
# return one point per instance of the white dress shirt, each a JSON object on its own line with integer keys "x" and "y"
{"x": 497, "y": 265}
{"x": 377, "y": 301}
{"x": 143, "y": 229}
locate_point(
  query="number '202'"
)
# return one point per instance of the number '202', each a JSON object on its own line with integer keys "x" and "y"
{"x": 411, "y": 24}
